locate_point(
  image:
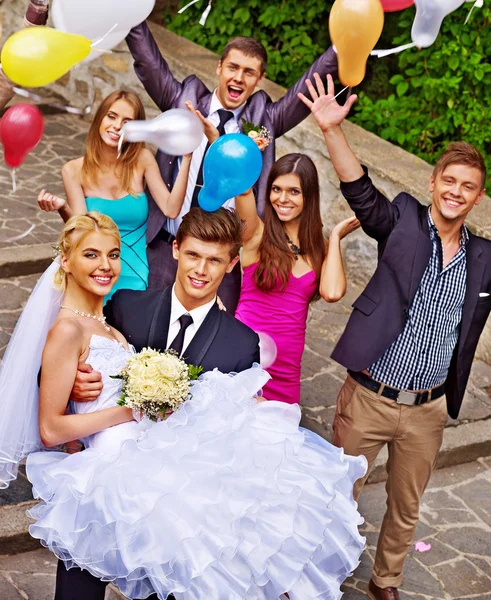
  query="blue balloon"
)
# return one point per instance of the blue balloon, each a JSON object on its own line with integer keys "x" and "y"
{"x": 231, "y": 166}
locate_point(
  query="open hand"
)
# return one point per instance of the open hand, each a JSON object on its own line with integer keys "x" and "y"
{"x": 49, "y": 202}
{"x": 211, "y": 131}
{"x": 344, "y": 228}
{"x": 326, "y": 110}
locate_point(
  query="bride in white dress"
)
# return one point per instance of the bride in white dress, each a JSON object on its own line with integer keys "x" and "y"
{"x": 227, "y": 499}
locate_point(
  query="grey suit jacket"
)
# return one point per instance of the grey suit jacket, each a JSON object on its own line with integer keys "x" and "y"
{"x": 278, "y": 117}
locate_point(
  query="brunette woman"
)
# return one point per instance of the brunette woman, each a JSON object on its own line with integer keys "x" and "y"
{"x": 287, "y": 264}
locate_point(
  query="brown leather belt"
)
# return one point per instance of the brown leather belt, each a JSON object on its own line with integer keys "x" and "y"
{"x": 400, "y": 396}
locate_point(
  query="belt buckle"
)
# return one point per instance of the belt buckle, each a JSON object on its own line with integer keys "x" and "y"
{"x": 407, "y": 397}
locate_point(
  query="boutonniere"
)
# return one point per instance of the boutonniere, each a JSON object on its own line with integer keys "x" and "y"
{"x": 258, "y": 133}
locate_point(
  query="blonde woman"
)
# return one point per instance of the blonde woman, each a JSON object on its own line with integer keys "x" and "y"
{"x": 227, "y": 498}
{"x": 100, "y": 181}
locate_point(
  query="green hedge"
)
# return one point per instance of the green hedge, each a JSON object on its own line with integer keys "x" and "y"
{"x": 419, "y": 99}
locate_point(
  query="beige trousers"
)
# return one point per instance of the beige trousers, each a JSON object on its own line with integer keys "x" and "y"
{"x": 364, "y": 423}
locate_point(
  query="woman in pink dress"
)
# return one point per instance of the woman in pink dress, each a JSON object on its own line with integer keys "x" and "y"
{"x": 287, "y": 264}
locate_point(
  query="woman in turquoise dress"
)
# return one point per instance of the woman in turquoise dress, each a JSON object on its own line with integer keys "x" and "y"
{"x": 114, "y": 185}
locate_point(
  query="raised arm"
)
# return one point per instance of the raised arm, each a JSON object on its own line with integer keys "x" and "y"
{"x": 375, "y": 212}
{"x": 66, "y": 340}
{"x": 333, "y": 278}
{"x": 245, "y": 205}
{"x": 170, "y": 203}
{"x": 289, "y": 111}
{"x": 151, "y": 68}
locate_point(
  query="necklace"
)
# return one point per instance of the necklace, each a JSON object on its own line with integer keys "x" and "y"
{"x": 294, "y": 248}
{"x": 82, "y": 314}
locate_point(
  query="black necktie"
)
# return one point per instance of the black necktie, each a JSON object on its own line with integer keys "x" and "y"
{"x": 225, "y": 115}
{"x": 178, "y": 341}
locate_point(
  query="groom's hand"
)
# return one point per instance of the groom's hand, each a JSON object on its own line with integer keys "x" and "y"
{"x": 88, "y": 384}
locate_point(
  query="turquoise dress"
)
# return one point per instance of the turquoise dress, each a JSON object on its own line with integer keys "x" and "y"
{"x": 130, "y": 214}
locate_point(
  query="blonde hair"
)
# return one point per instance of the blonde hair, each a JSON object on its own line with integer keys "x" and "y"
{"x": 68, "y": 242}
{"x": 93, "y": 146}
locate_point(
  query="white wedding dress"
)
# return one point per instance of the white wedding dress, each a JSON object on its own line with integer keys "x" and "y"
{"x": 227, "y": 499}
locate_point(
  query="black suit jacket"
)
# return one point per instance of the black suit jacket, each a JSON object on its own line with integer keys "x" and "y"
{"x": 404, "y": 250}
{"x": 221, "y": 342}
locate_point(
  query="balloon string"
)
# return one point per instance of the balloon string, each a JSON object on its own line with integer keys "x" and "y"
{"x": 69, "y": 109}
{"x": 21, "y": 235}
{"x": 382, "y": 53}
{"x": 97, "y": 42}
{"x": 187, "y": 6}
{"x": 477, "y": 4}
{"x": 339, "y": 93}
{"x": 205, "y": 14}
{"x": 14, "y": 183}
{"x": 120, "y": 144}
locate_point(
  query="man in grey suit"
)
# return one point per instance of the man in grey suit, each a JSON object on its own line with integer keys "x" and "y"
{"x": 240, "y": 69}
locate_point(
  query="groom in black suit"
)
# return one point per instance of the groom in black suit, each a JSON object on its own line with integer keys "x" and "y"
{"x": 184, "y": 317}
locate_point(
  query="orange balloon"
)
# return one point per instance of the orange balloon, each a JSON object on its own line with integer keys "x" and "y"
{"x": 355, "y": 27}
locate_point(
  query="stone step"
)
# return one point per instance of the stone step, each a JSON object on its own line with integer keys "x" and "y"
{"x": 17, "y": 261}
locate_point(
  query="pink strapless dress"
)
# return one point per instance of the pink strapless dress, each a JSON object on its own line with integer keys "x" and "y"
{"x": 282, "y": 314}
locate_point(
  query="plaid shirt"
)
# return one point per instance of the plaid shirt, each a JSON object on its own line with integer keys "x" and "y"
{"x": 420, "y": 356}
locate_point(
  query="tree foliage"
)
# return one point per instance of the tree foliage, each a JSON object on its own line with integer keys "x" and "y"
{"x": 419, "y": 99}
{"x": 439, "y": 94}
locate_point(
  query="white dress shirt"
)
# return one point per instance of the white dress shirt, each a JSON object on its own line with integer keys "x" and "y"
{"x": 231, "y": 126}
{"x": 177, "y": 310}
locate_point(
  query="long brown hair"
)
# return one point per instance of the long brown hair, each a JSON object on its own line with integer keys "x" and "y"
{"x": 276, "y": 259}
{"x": 92, "y": 162}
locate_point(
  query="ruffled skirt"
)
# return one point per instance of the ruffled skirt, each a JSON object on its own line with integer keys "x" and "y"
{"x": 227, "y": 499}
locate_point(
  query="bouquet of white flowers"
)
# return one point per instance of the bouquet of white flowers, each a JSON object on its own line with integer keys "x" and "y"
{"x": 156, "y": 382}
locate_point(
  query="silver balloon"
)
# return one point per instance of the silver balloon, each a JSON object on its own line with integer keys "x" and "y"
{"x": 175, "y": 132}
{"x": 429, "y": 17}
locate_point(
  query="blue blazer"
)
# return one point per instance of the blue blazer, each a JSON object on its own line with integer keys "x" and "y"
{"x": 404, "y": 250}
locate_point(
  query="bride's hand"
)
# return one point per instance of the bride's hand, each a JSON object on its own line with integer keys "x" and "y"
{"x": 88, "y": 384}
{"x": 211, "y": 131}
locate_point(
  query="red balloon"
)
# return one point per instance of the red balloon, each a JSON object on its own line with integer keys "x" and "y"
{"x": 21, "y": 130}
{"x": 393, "y": 5}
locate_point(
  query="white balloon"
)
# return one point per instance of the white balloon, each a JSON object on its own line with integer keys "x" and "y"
{"x": 94, "y": 18}
{"x": 175, "y": 132}
{"x": 429, "y": 17}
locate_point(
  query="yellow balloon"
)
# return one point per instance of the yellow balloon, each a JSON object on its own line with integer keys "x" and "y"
{"x": 355, "y": 27}
{"x": 38, "y": 56}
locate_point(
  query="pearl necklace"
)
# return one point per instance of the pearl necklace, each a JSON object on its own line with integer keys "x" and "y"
{"x": 82, "y": 314}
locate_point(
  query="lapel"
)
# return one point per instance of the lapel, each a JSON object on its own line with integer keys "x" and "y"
{"x": 475, "y": 272}
{"x": 203, "y": 338}
{"x": 422, "y": 254}
{"x": 159, "y": 327}
{"x": 204, "y": 104}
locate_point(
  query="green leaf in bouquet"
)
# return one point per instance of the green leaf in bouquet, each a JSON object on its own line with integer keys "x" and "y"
{"x": 194, "y": 372}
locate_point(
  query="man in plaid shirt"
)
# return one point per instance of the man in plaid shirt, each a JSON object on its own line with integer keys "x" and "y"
{"x": 412, "y": 335}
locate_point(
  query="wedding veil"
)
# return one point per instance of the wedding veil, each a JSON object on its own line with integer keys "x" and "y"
{"x": 19, "y": 391}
